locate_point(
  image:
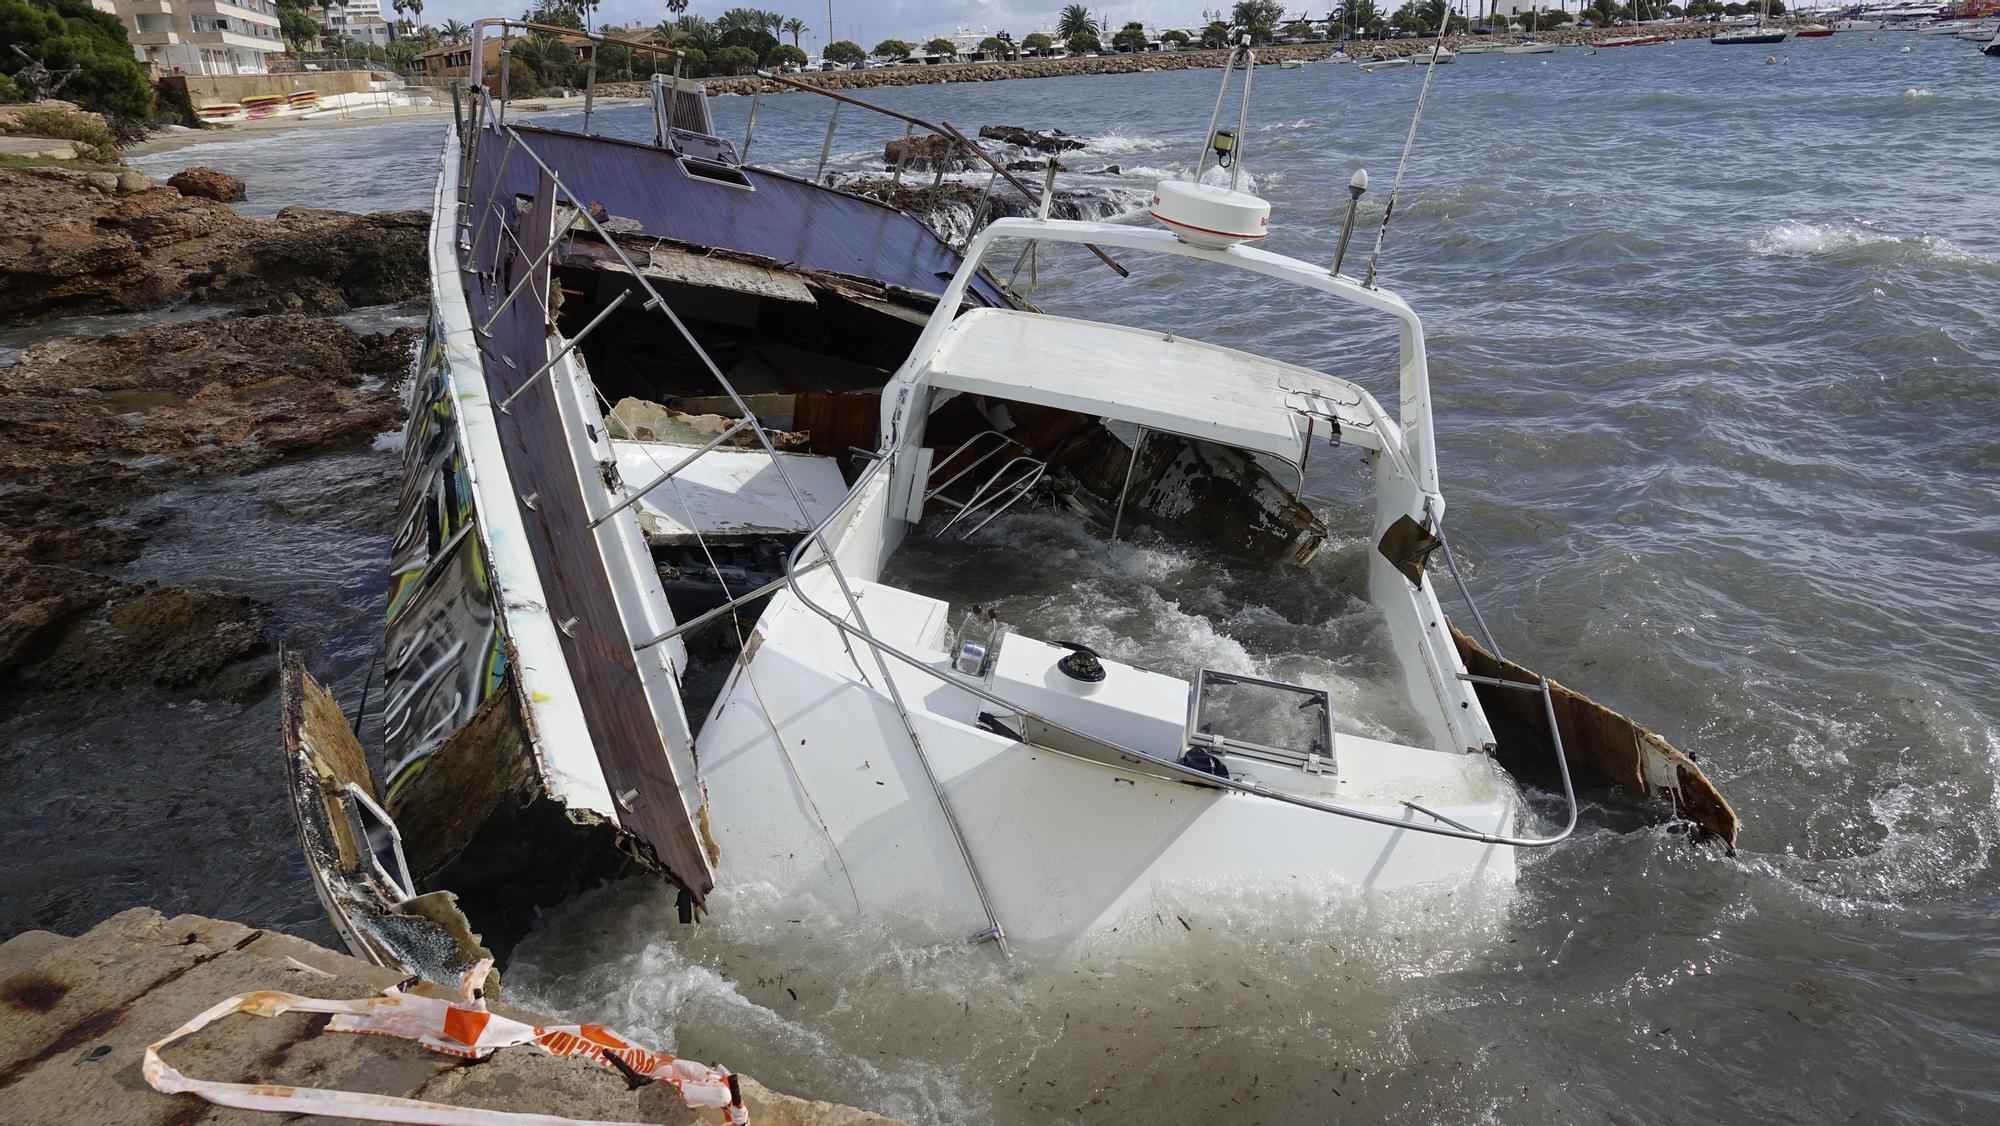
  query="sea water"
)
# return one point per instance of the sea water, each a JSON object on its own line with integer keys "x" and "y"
{"x": 1716, "y": 368}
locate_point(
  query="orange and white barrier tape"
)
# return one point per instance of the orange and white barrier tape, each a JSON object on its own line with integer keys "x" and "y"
{"x": 465, "y": 1029}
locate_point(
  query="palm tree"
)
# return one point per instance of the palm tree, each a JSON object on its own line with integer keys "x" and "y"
{"x": 1075, "y": 20}
{"x": 457, "y": 31}
{"x": 796, "y": 27}
{"x": 693, "y": 31}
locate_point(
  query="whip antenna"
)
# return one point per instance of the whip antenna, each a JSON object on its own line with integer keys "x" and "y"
{"x": 1409, "y": 142}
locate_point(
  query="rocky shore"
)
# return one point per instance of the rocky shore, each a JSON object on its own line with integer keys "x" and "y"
{"x": 89, "y": 425}
{"x": 80, "y": 1012}
{"x": 1135, "y": 63}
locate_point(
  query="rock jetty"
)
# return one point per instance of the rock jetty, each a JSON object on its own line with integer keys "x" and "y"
{"x": 1130, "y": 64}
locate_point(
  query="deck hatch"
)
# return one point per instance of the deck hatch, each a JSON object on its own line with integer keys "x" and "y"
{"x": 1262, "y": 719}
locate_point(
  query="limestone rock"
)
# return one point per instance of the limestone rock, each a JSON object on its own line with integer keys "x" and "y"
{"x": 74, "y": 243}
{"x": 208, "y": 183}
{"x": 1040, "y": 140}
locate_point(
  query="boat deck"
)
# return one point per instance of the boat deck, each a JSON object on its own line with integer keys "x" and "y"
{"x": 595, "y": 647}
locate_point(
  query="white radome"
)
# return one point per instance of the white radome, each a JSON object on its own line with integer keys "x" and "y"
{"x": 1212, "y": 217}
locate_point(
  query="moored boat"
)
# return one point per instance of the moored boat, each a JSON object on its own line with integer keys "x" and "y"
{"x": 1632, "y": 41}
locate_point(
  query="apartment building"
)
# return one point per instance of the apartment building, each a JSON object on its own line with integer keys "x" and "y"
{"x": 201, "y": 36}
{"x": 359, "y": 20}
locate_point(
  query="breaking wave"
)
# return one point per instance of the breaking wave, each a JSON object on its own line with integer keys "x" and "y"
{"x": 1796, "y": 239}
{"x": 1113, "y": 144}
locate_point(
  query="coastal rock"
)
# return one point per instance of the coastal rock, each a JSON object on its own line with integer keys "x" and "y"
{"x": 925, "y": 154}
{"x": 89, "y": 425}
{"x": 208, "y": 183}
{"x": 1042, "y": 166}
{"x": 75, "y": 242}
{"x": 69, "y": 630}
{"x": 1039, "y": 140}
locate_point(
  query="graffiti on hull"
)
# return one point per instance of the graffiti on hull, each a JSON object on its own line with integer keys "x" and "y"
{"x": 445, "y": 650}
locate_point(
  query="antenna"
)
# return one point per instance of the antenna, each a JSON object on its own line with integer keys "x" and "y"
{"x": 1355, "y": 187}
{"x": 1227, "y": 144}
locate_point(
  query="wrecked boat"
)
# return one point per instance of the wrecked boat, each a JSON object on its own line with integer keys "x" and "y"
{"x": 673, "y": 415}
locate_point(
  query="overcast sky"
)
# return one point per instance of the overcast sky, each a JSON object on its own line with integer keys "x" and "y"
{"x": 868, "y": 22}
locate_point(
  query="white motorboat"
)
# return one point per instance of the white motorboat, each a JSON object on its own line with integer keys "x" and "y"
{"x": 1992, "y": 47}
{"x": 1385, "y": 62}
{"x": 1977, "y": 33}
{"x": 1859, "y": 25}
{"x": 1529, "y": 47}
{"x": 868, "y": 756}
{"x": 1438, "y": 55}
{"x": 1292, "y": 64}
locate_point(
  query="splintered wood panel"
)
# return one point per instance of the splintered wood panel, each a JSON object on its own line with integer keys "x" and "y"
{"x": 838, "y": 423}
{"x": 596, "y": 649}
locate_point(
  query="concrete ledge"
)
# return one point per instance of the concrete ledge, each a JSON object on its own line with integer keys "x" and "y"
{"x": 76, "y": 1015}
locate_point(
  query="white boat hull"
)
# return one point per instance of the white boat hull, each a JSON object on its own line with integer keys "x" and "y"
{"x": 1065, "y": 847}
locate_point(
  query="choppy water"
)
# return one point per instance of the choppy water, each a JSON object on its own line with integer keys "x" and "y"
{"x": 1716, "y": 355}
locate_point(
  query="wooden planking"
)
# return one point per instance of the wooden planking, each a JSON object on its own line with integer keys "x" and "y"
{"x": 784, "y": 220}
{"x": 622, "y": 726}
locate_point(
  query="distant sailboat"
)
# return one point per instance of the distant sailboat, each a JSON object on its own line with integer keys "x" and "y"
{"x": 1528, "y": 45}
{"x": 1755, "y": 33}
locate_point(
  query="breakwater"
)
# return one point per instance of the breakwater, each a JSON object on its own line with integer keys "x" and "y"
{"x": 1140, "y": 63}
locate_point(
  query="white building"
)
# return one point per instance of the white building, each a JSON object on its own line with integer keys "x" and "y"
{"x": 201, "y": 36}
{"x": 359, "y": 20}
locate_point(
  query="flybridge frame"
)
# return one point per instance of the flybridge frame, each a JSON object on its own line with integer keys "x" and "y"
{"x": 564, "y": 213}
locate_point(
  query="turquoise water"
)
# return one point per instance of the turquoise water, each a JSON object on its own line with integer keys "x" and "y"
{"x": 1715, "y": 353}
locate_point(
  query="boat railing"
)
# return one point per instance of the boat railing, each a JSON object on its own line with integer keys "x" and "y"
{"x": 1000, "y": 492}
{"x": 858, "y": 630}
{"x": 956, "y": 142}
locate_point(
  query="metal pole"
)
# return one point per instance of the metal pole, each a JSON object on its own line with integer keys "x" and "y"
{"x": 683, "y": 463}
{"x": 902, "y": 157}
{"x": 589, "y": 88}
{"x": 528, "y": 275}
{"x": 1215, "y": 115}
{"x": 750, "y": 128}
{"x": 979, "y": 213}
{"x": 506, "y": 72}
{"x": 486, "y": 214}
{"x": 567, "y": 347}
{"x": 1242, "y": 118}
{"x": 1131, "y": 463}
{"x": 1048, "y": 190}
{"x": 826, "y": 146}
{"x": 703, "y": 619}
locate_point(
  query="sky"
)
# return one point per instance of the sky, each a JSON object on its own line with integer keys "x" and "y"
{"x": 868, "y": 22}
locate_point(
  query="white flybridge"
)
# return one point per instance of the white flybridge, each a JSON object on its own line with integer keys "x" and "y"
{"x": 867, "y": 756}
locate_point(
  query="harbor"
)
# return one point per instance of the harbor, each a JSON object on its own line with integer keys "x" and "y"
{"x": 1679, "y": 413}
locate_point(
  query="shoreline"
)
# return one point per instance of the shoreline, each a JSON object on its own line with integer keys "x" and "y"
{"x": 170, "y": 141}
{"x": 619, "y": 94}
{"x": 1185, "y": 59}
